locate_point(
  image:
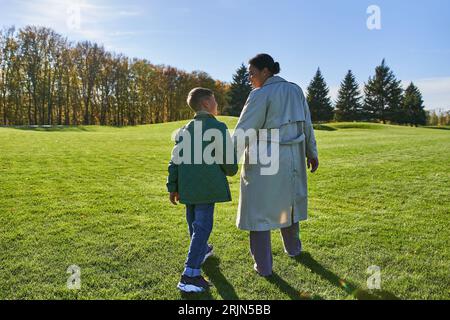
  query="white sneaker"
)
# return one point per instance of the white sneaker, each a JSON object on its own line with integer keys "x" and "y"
{"x": 193, "y": 284}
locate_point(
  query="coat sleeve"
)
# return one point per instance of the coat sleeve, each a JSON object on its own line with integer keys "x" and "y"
{"x": 253, "y": 114}
{"x": 230, "y": 168}
{"x": 310, "y": 139}
{"x": 172, "y": 179}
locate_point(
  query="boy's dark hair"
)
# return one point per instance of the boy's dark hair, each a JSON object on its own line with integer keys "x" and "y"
{"x": 196, "y": 97}
{"x": 263, "y": 60}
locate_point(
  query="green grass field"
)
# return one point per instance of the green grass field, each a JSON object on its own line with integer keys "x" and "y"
{"x": 95, "y": 197}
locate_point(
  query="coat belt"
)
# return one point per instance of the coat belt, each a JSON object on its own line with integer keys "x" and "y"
{"x": 297, "y": 140}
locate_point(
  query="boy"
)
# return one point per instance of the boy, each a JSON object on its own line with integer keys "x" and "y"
{"x": 199, "y": 185}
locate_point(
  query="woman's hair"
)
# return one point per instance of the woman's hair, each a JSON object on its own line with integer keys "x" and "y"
{"x": 263, "y": 60}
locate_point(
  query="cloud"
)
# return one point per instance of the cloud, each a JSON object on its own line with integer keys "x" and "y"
{"x": 435, "y": 92}
{"x": 122, "y": 33}
{"x": 93, "y": 20}
{"x": 129, "y": 13}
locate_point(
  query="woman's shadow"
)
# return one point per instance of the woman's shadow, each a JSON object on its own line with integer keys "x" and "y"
{"x": 290, "y": 291}
{"x": 226, "y": 290}
{"x": 350, "y": 288}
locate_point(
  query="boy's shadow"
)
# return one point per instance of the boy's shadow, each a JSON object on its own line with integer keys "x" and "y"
{"x": 222, "y": 285}
{"x": 197, "y": 296}
{"x": 224, "y": 288}
{"x": 308, "y": 261}
{"x": 227, "y": 292}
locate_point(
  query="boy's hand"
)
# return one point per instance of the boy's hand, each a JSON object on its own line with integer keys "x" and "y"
{"x": 174, "y": 197}
{"x": 313, "y": 164}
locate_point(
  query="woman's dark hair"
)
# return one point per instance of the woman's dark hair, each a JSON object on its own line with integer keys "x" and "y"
{"x": 263, "y": 60}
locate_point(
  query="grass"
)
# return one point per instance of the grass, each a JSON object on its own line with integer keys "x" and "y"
{"x": 439, "y": 127}
{"x": 95, "y": 197}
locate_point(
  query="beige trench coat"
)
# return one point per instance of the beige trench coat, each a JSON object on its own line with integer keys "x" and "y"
{"x": 270, "y": 202}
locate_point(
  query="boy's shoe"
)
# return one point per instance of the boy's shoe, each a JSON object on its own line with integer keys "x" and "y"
{"x": 209, "y": 253}
{"x": 193, "y": 284}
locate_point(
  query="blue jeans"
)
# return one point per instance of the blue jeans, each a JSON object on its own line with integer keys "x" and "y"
{"x": 200, "y": 222}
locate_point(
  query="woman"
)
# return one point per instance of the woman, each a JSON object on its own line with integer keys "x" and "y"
{"x": 278, "y": 201}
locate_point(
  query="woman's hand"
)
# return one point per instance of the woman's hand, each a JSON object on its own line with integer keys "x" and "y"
{"x": 313, "y": 164}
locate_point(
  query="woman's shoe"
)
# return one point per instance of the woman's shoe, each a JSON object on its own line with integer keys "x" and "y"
{"x": 297, "y": 254}
{"x": 259, "y": 273}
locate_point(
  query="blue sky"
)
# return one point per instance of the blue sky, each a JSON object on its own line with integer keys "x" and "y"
{"x": 216, "y": 36}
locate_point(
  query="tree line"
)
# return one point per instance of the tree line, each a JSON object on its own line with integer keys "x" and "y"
{"x": 438, "y": 118}
{"x": 47, "y": 80}
{"x": 384, "y": 99}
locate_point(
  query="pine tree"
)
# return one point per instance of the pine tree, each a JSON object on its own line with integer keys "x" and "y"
{"x": 239, "y": 90}
{"x": 348, "y": 104}
{"x": 383, "y": 93}
{"x": 413, "y": 106}
{"x": 318, "y": 99}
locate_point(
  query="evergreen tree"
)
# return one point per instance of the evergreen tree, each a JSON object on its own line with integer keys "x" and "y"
{"x": 413, "y": 106}
{"x": 318, "y": 99}
{"x": 383, "y": 93}
{"x": 348, "y": 104}
{"x": 239, "y": 90}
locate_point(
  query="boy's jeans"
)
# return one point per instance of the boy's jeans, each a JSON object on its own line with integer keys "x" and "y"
{"x": 200, "y": 222}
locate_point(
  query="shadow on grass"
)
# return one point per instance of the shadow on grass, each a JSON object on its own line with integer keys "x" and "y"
{"x": 51, "y": 128}
{"x": 293, "y": 293}
{"x": 224, "y": 288}
{"x": 308, "y": 261}
{"x": 62, "y": 128}
{"x": 226, "y": 291}
{"x": 357, "y": 125}
{"x": 438, "y": 127}
{"x": 323, "y": 127}
{"x": 197, "y": 296}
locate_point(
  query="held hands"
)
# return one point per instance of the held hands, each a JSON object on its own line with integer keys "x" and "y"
{"x": 313, "y": 164}
{"x": 174, "y": 197}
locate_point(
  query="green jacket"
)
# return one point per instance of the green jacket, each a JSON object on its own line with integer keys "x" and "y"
{"x": 202, "y": 183}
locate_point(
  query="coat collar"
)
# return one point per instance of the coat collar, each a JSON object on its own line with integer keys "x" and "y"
{"x": 272, "y": 80}
{"x": 203, "y": 115}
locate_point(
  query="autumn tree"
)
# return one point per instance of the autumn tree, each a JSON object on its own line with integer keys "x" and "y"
{"x": 47, "y": 80}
